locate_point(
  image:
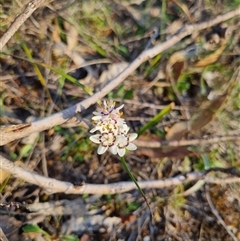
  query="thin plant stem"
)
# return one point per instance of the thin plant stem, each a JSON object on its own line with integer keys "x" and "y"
{"x": 135, "y": 181}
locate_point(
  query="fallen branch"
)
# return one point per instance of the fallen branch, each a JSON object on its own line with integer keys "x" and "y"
{"x": 55, "y": 186}
{"x": 19, "y": 20}
{"x": 157, "y": 144}
{"x": 68, "y": 114}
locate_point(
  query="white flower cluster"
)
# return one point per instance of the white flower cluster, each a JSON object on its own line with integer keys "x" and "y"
{"x": 113, "y": 130}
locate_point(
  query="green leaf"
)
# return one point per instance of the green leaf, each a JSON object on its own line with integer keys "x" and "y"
{"x": 78, "y": 157}
{"x": 123, "y": 50}
{"x": 110, "y": 95}
{"x": 132, "y": 207}
{"x": 153, "y": 64}
{"x": 34, "y": 228}
{"x": 4, "y": 184}
{"x": 206, "y": 161}
{"x": 128, "y": 95}
{"x": 120, "y": 91}
{"x": 183, "y": 83}
{"x": 25, "y": 150}
{"x": 13, "y": 155}
{"x": 69, "y": 238}
{"x": 85, "y": 196}
{"x": 156, "y": 119}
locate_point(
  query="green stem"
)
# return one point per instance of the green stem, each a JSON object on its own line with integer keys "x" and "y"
{"x": 134, "y": 180}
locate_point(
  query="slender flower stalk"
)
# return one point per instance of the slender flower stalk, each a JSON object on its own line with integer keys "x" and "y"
{"x": 113, "y": 130}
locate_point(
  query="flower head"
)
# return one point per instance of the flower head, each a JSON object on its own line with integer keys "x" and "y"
{"x": 107, "y": 110}
{"x": 113, "y": 130}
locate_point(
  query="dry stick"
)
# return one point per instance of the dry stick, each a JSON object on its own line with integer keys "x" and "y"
{"x": 19, "y": 20}
{"x": 55, "y": 186}
{"x": 157, "y": 144}
{"x": 220, "y": 181}
{"x": 63, "y": 116}
{"x": 215, "y": 212}
{"x": 2, "y": 236}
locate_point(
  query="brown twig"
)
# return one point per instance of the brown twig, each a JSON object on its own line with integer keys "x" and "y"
{"x": 55, "y": 186}
{"x": 19, "y": 20}
{"x": 157, "y": 144}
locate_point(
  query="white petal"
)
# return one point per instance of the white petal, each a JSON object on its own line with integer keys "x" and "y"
{"x": 97, "y": 117}
{"x": 132, "y": 136}
{"x": 102, "y": 149}
{"x": 120, "y": 139}
{"x": 95, "y": 138}
{"x": 121, "y": 152}
{"x": 120, "y": 107}
{"x": 124, "y": 128}
{"x": 120, "y": 122}
{"x": 93, "y": 130}
{"x": 105, "y": 103}
{"x": 131, "y": 146}
{"x": 96, "y": 113}
{"x": 113, "y": 149}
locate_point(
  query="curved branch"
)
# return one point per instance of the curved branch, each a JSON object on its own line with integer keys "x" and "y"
{"x": 55, "y": 186}
{"x": 52, "y": 185}
{"x": 65, "y": 115}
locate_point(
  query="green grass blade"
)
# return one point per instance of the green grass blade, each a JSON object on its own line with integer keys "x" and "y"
{"x": 153, "y": 65}
{"x": 134, "y": 180}
{"x": 68, "y": 77}
{"x": 156, "y": 119}
{"x": 163, "y": 17}
{"x": 58, "y": 71}
{"x": 35, "y": 67}
{"x": 34, "y": 228}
